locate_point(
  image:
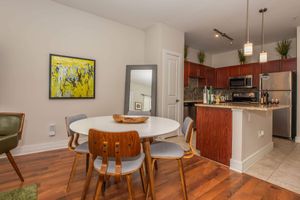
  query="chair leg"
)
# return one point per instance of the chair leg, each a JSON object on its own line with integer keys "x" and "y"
{"x": 129, "y": 184}
{"x": 13, "y": 163}
{"x": 72, "y": 171}
{"x": 156, "y": 166}
{"x": 87, "y": 181}
{"x": 99, "y": 187}
{"x": 183, "y": 184}
{"x": 152, "y": 168}
{"x": 87, "y": 162}
{"x": 142, "y": 174}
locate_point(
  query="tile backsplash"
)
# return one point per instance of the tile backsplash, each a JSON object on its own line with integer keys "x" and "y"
{"x": 193, "y": 92}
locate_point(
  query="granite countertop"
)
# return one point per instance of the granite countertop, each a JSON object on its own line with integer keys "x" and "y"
{"x": 245, "y": 106}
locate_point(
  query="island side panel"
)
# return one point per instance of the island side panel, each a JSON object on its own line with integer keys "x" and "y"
{"x": 214, "y": 133}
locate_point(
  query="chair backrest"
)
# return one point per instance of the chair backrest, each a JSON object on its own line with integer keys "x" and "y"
{"x": 187, "y": 129}
{"x": 11, "y": 123}
{"x": 113, "y": 144}
{"x": 71, "y": 119}
{"x": 73, "y": 136}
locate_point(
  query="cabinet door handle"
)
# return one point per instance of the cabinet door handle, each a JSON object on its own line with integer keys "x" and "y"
{"x": 177, "y": 100}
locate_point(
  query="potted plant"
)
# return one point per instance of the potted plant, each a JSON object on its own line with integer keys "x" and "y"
{"x": 283, "y": 47}
{"x": 201, "y": 57}
{"x": 242, "y": 57}
{"x": 185, "y": 51}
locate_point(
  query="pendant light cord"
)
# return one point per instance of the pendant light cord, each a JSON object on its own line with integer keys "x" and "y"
{"x": 262, "y": 11}
{"x": 247, "y": 22}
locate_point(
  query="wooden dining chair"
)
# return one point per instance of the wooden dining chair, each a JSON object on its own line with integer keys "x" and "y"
{"x": 168, "y": 149}
{"x": 74, "y": 146}
{"x": 11, "y": 129}
{"x": 116, "y": 154}
{"x": 185, "y": 139}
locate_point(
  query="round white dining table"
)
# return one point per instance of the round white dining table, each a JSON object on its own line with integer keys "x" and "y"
{"x": 154, "y": 126}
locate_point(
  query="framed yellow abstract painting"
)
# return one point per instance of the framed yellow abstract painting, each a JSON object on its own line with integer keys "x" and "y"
{"x": 71, "y": 77}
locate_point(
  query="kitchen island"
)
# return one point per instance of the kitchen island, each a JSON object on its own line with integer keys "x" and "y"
{"x": 235, "y": 134}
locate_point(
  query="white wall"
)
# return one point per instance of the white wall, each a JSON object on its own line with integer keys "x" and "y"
{"x": 158, "y": 38}
{"x": 298, "y": 86}
{"x": 192, "y": 56}
{"x": 32, "y": 29}
{"x": 231, "y": 57}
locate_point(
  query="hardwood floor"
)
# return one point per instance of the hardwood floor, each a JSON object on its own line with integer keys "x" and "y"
{"x": 205, "y": 180}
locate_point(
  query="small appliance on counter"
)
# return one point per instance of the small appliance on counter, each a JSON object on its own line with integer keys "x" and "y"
{"x": 250, "y": 97}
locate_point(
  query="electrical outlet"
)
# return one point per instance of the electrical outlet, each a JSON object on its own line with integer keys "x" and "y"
{"x": 260, "y": 133}
{"x": 52, "y": 131}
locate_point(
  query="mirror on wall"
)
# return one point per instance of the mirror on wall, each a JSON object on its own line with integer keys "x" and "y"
{"x": 140, "y": 90}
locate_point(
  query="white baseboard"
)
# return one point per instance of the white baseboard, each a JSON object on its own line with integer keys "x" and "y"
{"x": 36, "y": 148}
{"x": 242, "y": 166}
{"x": 297, "y": 139}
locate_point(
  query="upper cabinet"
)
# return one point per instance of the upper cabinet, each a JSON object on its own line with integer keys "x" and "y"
{"x": 271, "y": 66}
{"x": 204, "y": 74}
{"x": 234, "y": 71}
{"x": 288, "y": 65}
{"x": 218, "y": 77}
{"x": 222, "y": 77}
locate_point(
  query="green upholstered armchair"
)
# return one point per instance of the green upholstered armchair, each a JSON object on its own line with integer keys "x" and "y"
{"x": 11, "y": 127}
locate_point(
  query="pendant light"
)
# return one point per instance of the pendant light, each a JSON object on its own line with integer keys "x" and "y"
{"x": 248, "y": 46}
{"x": 263, "y": 56}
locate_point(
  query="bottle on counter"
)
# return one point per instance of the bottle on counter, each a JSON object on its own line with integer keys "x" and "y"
{"x": 210, "y": 95}
{"x": 205, "y": 95}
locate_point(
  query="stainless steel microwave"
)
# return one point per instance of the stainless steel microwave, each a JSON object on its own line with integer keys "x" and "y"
{"x": 241, "y": 82}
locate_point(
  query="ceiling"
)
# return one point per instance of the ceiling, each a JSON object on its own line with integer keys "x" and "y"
{"x": 197, "y": 18}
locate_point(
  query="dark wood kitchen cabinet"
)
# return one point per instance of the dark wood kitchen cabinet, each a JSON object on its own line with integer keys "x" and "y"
{"x": 222, "y": 75}
{"x": 288, "y": 65}
{"x": 246, "y": 69}
{"x": 270, "y": 66}
{"x": 210, "y": 76}
{"x": 218, "y": 77}
{"x": 214, "y": 138}
{"x": 234, "y": 71}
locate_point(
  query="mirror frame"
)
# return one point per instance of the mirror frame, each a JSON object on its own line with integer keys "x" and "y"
{"x": 129, "y": 68}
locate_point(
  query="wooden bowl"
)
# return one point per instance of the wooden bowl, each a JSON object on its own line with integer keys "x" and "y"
{"x": 129, "y": 119}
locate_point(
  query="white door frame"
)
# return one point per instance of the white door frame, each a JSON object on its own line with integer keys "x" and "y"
{"x": 179, "y": 82}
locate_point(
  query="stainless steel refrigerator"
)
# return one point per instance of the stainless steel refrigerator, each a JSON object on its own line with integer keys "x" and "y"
{"x": 282, "y": 86}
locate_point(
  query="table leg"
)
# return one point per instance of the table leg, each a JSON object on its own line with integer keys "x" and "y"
{"x": 146, "y": 147}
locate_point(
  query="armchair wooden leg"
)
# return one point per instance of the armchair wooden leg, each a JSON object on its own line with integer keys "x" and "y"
{"x": 72, "y": 171}
{"x": 99, "y": 187}
{"x": 142, "y": 174}
{"x": 87, "y": 162}
{"x": 152, "y": 168}
{"x": 183, "y": 184}
{"x": 129, "y": 184}
{"x": 87, "y": 181}
{"x": 13, "y": 163}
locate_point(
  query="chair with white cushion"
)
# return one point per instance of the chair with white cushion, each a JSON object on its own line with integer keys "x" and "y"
{"x": 74, "y": 146}
{"x": 185, "y": 139}
{"x": 115, "y": 154}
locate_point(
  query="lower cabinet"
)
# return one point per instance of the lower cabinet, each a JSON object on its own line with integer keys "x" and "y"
{"x": 214, "y": 136}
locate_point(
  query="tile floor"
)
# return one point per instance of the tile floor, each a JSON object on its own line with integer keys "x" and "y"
{"x": 281, "y": 166}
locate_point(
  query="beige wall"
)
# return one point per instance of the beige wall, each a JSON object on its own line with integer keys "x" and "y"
{"x": 161, "y": 37}
{"x": 298, "y": 86}
{"x": 231, "y": 57}
{"x": 192, "y": 56}
{"x": 32, "y": 29}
